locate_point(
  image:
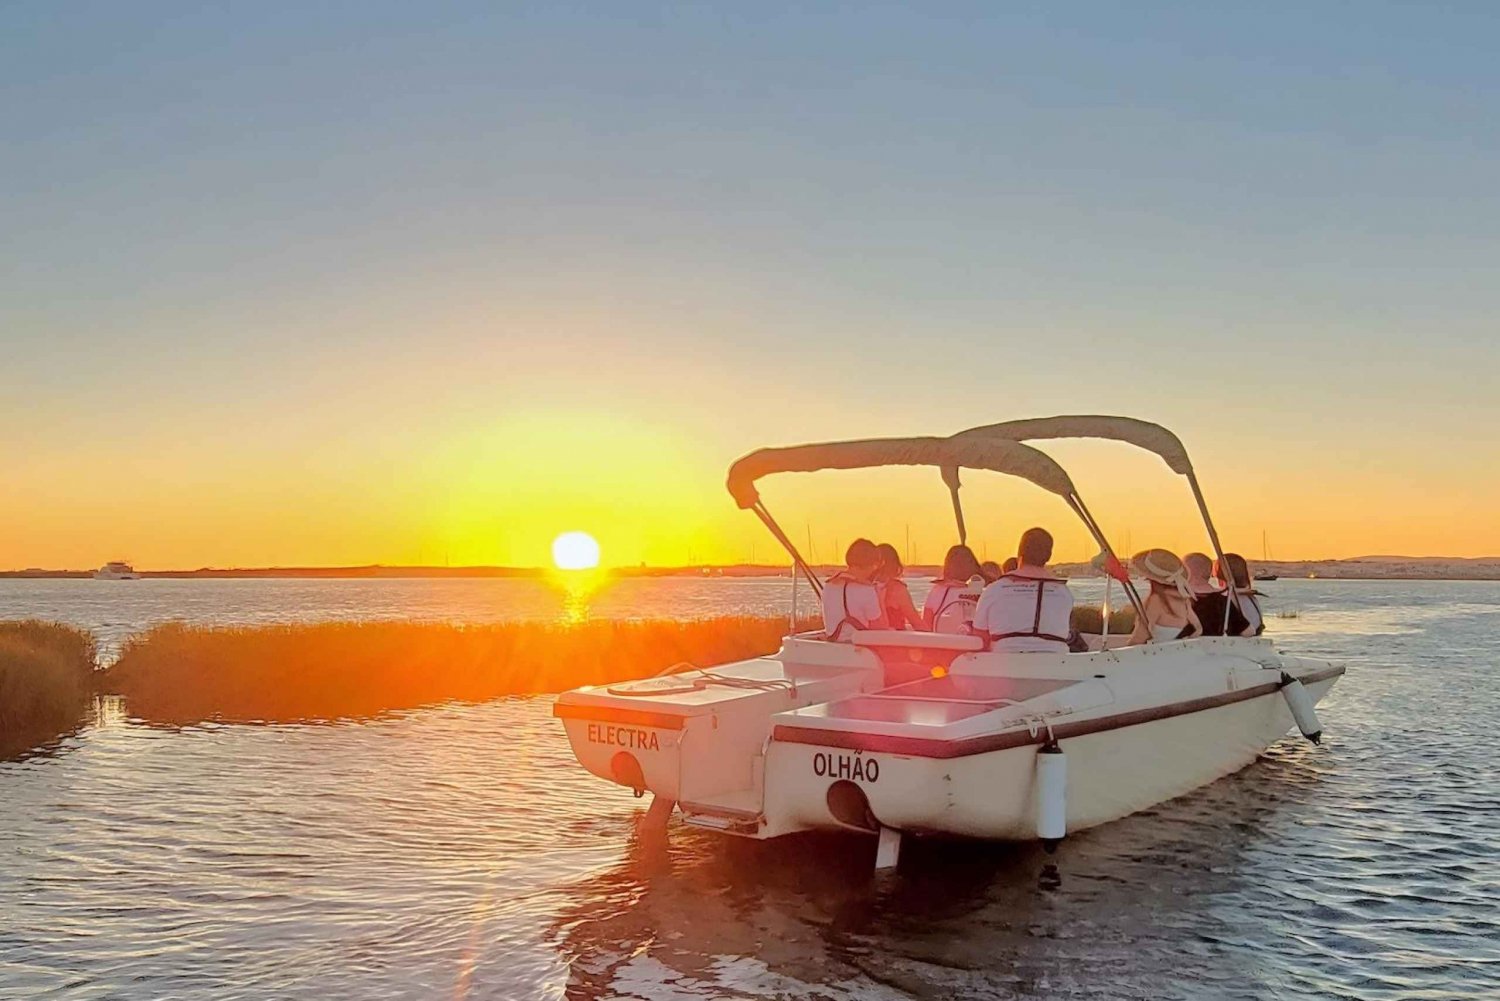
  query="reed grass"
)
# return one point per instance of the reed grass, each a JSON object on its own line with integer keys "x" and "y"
{"x": 181, "y": 673}
{"x": 1090, "y": 619}
{"x": 46, "y": 681}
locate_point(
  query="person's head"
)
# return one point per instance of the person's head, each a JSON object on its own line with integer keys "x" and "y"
{"x": 1009, "y": 565}
{"x": 960, "y": 564}
{"x": 990, "y": 571}
{"x": 1162, "y": 568}
{"x": 1035, "y": 549}
{"x": 1233, "y": 567}
{"x": 1198, "y": 567}
{"x": 862, "y": 558}
{"x": 890, "y": 562}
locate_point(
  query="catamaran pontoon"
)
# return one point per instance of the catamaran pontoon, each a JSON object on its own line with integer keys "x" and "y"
{"x": 896, "y": 731}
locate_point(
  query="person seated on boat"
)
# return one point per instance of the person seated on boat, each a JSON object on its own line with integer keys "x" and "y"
{"x": 949, "y": 607}
{"x": 1245, "y": 617}
{"x": 1029, "y": 609}
{"x": 1169, "y": 605}
{"x": 990, "y": 571}
{"x": 895, "y": 597}
{"x": 850, "y": 598}
{"x": 1209, "y": 600}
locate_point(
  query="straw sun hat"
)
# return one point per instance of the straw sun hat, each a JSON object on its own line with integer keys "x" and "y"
{"x": 1160, "y": 566}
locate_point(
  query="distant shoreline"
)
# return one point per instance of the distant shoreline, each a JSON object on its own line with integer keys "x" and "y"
{"x": 1360, "y": 568}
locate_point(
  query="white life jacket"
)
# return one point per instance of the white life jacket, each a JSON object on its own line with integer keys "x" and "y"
{"x": 848, "y": 604}
{"x": 1026, "y": 613}
{"x": 952, "y": 606}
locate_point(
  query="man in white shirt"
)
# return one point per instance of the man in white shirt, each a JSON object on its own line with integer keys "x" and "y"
{"x": 850, "y": 599}
{"x": 1029, "y": 609}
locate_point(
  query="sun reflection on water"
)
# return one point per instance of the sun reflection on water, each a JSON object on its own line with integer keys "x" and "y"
{"x": 577, "y": 589}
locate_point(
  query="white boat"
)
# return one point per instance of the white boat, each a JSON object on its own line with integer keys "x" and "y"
{"x": 891, "y": 732}
{"x": 116, "y": 570}
{"x": 1265, "y": 557}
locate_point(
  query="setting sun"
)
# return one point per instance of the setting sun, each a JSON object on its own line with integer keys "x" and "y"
{"x": 575, "y": 551}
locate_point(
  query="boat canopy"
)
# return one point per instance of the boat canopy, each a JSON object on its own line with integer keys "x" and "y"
{"x": 1142, "y": 434}
{"x": 994, "y": 452}
{"x": 997, "y": 454}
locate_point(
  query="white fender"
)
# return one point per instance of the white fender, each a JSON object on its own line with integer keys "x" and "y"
{"x": 1301, "y": 705}
{"x": 1051, "y": 794}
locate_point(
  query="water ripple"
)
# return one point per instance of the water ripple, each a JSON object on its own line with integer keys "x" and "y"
{"x": 457, "y": 852}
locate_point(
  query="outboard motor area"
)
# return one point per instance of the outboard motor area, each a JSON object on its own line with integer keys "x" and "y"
{"x": 1301, "y": 705}
{"x": 698, "y": 737}
{"x": 625, "y": 769}
{"x": 850, "y": 806}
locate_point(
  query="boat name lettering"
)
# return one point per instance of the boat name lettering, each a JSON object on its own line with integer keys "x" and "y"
{"x": 623, "y": 736}
{"x": 846, "y": 766}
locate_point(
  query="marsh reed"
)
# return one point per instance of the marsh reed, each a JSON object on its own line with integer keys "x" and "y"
{"x": 46, "y": 681}
{"x": 1090, "y": 619}
{"x": 182, "y": 673}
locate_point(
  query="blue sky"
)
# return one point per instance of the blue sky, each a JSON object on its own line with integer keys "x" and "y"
{"x": 322, "y": 237}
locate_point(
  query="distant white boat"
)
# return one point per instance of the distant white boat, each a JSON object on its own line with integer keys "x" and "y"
{"x": 116, "y": 570}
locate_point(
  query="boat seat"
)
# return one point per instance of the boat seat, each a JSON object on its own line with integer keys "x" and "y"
{"x": 911, "y": 639}
{"x": 987, "y": 689}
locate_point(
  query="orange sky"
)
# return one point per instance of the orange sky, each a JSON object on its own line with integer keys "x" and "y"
{"x": 326, "y": 287}
{"x": 495, "y": 484}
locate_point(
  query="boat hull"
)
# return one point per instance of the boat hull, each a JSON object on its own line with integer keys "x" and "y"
{"x": 1112, "y": 772}
{"x": 820, "y": 737}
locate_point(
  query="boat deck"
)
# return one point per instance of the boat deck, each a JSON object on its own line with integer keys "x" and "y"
{"x": 932, "y": 702}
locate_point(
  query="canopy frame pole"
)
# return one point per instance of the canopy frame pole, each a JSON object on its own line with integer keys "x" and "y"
{"x": 1213, "y": 538}
{"x": 957, "y": 514}
{"x": 797, "y": 561}
{"x": 1076, "y": 502}
{"x": 791, "y": 628}
{"x": 958, "y": 505}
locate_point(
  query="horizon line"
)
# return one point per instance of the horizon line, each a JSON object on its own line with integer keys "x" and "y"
{"x": 484, "y": 569}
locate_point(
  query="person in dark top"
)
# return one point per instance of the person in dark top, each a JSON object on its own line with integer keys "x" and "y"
{"x": 1208, "y": 598}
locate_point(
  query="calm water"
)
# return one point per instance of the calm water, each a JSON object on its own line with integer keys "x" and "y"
{"x": 456, "y": 852}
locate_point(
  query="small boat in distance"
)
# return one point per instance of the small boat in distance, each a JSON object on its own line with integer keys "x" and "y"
{"x": 1265, "y": 557}
{"x": 116, "y": 570}
{"x": 890, "y": 733}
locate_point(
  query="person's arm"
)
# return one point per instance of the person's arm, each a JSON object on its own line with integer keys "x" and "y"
{"x": 906, "y": 608}
{"x": 1239, "y": 623}
{"x": 979, "y": 625}
{"x": 1194, "y": 621}
{"x": 1142, "y": 631}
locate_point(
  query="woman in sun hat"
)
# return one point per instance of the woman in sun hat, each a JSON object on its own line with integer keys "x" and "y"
{"x": 1169, "y": 606}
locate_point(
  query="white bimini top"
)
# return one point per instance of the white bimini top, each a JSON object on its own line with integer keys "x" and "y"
{"x": 1026, "y": 614}
{"x": 848, "y": 604}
